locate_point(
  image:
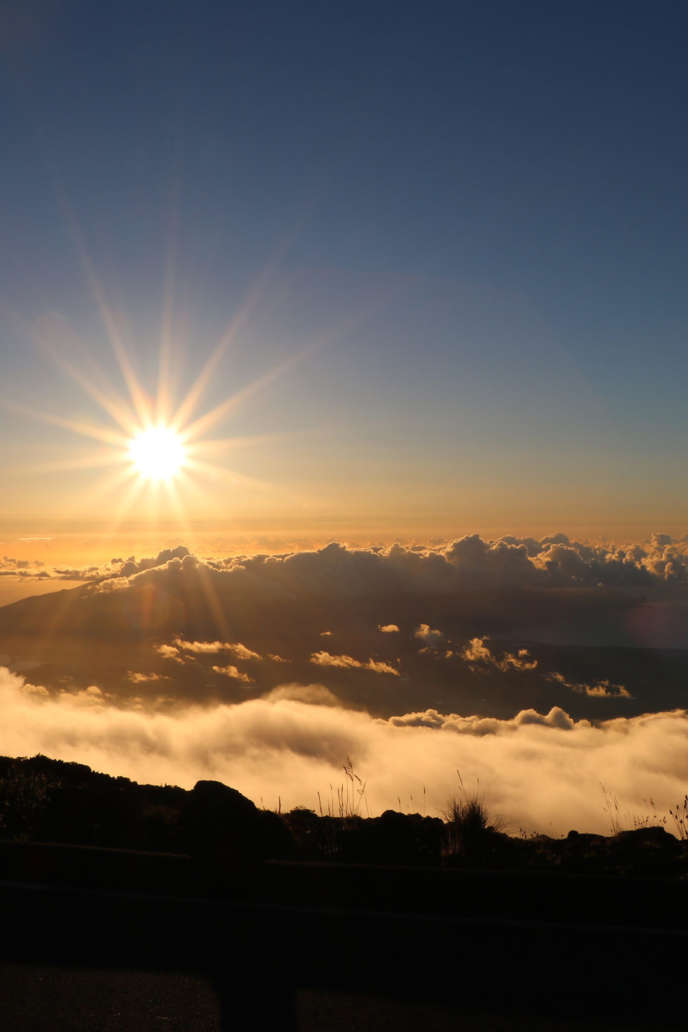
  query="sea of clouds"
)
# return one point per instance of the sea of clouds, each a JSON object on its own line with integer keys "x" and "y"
{"x": 273, "y": 672}
{"x": 536, "y": 772}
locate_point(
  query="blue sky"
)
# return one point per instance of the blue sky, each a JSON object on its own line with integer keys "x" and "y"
{"x": 470, "y": 218}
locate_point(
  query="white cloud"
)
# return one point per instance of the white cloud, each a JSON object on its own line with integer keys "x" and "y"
{"x": 390, "y": 628}
{"x": 538, "y": 771}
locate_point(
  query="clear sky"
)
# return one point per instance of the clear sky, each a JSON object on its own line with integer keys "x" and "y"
{"x": 450, "y": 241}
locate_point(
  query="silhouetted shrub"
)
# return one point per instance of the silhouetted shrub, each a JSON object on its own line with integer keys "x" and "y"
{"x": 466, "y": 827}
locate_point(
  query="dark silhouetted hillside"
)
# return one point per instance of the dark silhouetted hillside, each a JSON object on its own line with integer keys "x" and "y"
{"x": 51, "y": 801}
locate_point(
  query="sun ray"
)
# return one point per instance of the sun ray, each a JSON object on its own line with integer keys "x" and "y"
{"x": 114, "y": 406}
{"x": 195, "y": 392}
{"x": 183, "y": 486}
{"x": 94, "y": 460}
{"x": 156, "y": 457}
{"x": 172, "y": 487}
{"x": 163, "y": 398}
{"x": 105, "y": 487}
{"x": 128, "y": 489}
{"x": 112, "y": 331}
{"x": 133, "y": 491}
{"x": 111, "y": 404}
{"x": 203, "y": 423}
{"x": 98, "y": 433}
{"x": 222, "y": 444}
{"x": 139, "y": 398}
{"x": 213, "y": 601}
{"x": 210, "y": 469}
{"x": 246, "y": 310}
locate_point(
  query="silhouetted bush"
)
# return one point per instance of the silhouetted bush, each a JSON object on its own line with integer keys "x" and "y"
{"x": 466, "y": 827}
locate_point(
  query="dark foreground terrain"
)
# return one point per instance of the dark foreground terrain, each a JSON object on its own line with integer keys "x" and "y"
{"x": 50, "y": 801}
{"x": 195, "y": 910}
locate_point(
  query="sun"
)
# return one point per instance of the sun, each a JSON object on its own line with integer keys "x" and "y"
{"x": 157, "y": 453}
{"x": 154, "y": 442}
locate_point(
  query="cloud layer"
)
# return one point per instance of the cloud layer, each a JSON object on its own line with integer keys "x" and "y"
{"x": 475, "y": 626}
{"x": 541, "y": 669}
{"x": 555, "y": 560}
{"x": 537, "y": 771}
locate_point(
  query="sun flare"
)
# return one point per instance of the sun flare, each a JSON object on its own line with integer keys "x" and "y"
{"x": 158, "y": 460}
{"x": 157, "y": 453}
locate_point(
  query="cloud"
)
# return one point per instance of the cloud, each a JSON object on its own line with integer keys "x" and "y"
{"x": 477, "y": 652}
{"x": 378, "y": 667}
{"x": 430, "y": 635}
{"x": 92, "y": 696}
{"x": 598, "y": 690}
{"x": 311, "y": 694}
{"x": 234, "y": 673}
{"x": 169, "y": 652}
{"x": 139, "y": 678}
{"x": 109, "y": 585}
{"x": 23, "y": 568}
{"x": 486, "y": 612}
{"x": 538, "y": 771}
{"x": 213, "y": 647}
{"x": 390, "y": 628}
{"x": 553, "y": 561}
{"x": 348, "y": 663}
{"x": 114, "y": 569}
{"x": 475, "y": 725}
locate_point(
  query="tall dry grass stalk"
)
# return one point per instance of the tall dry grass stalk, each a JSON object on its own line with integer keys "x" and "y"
{"x": 347, "y": 799}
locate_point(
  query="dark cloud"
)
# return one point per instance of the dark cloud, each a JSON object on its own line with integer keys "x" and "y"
{"x": 481, "y": 626}
{"x": 555, "y": 561}
{"x": 115, "y": 568}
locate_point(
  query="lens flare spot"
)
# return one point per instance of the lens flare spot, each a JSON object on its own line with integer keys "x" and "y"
{"x": 157, "y": 453}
